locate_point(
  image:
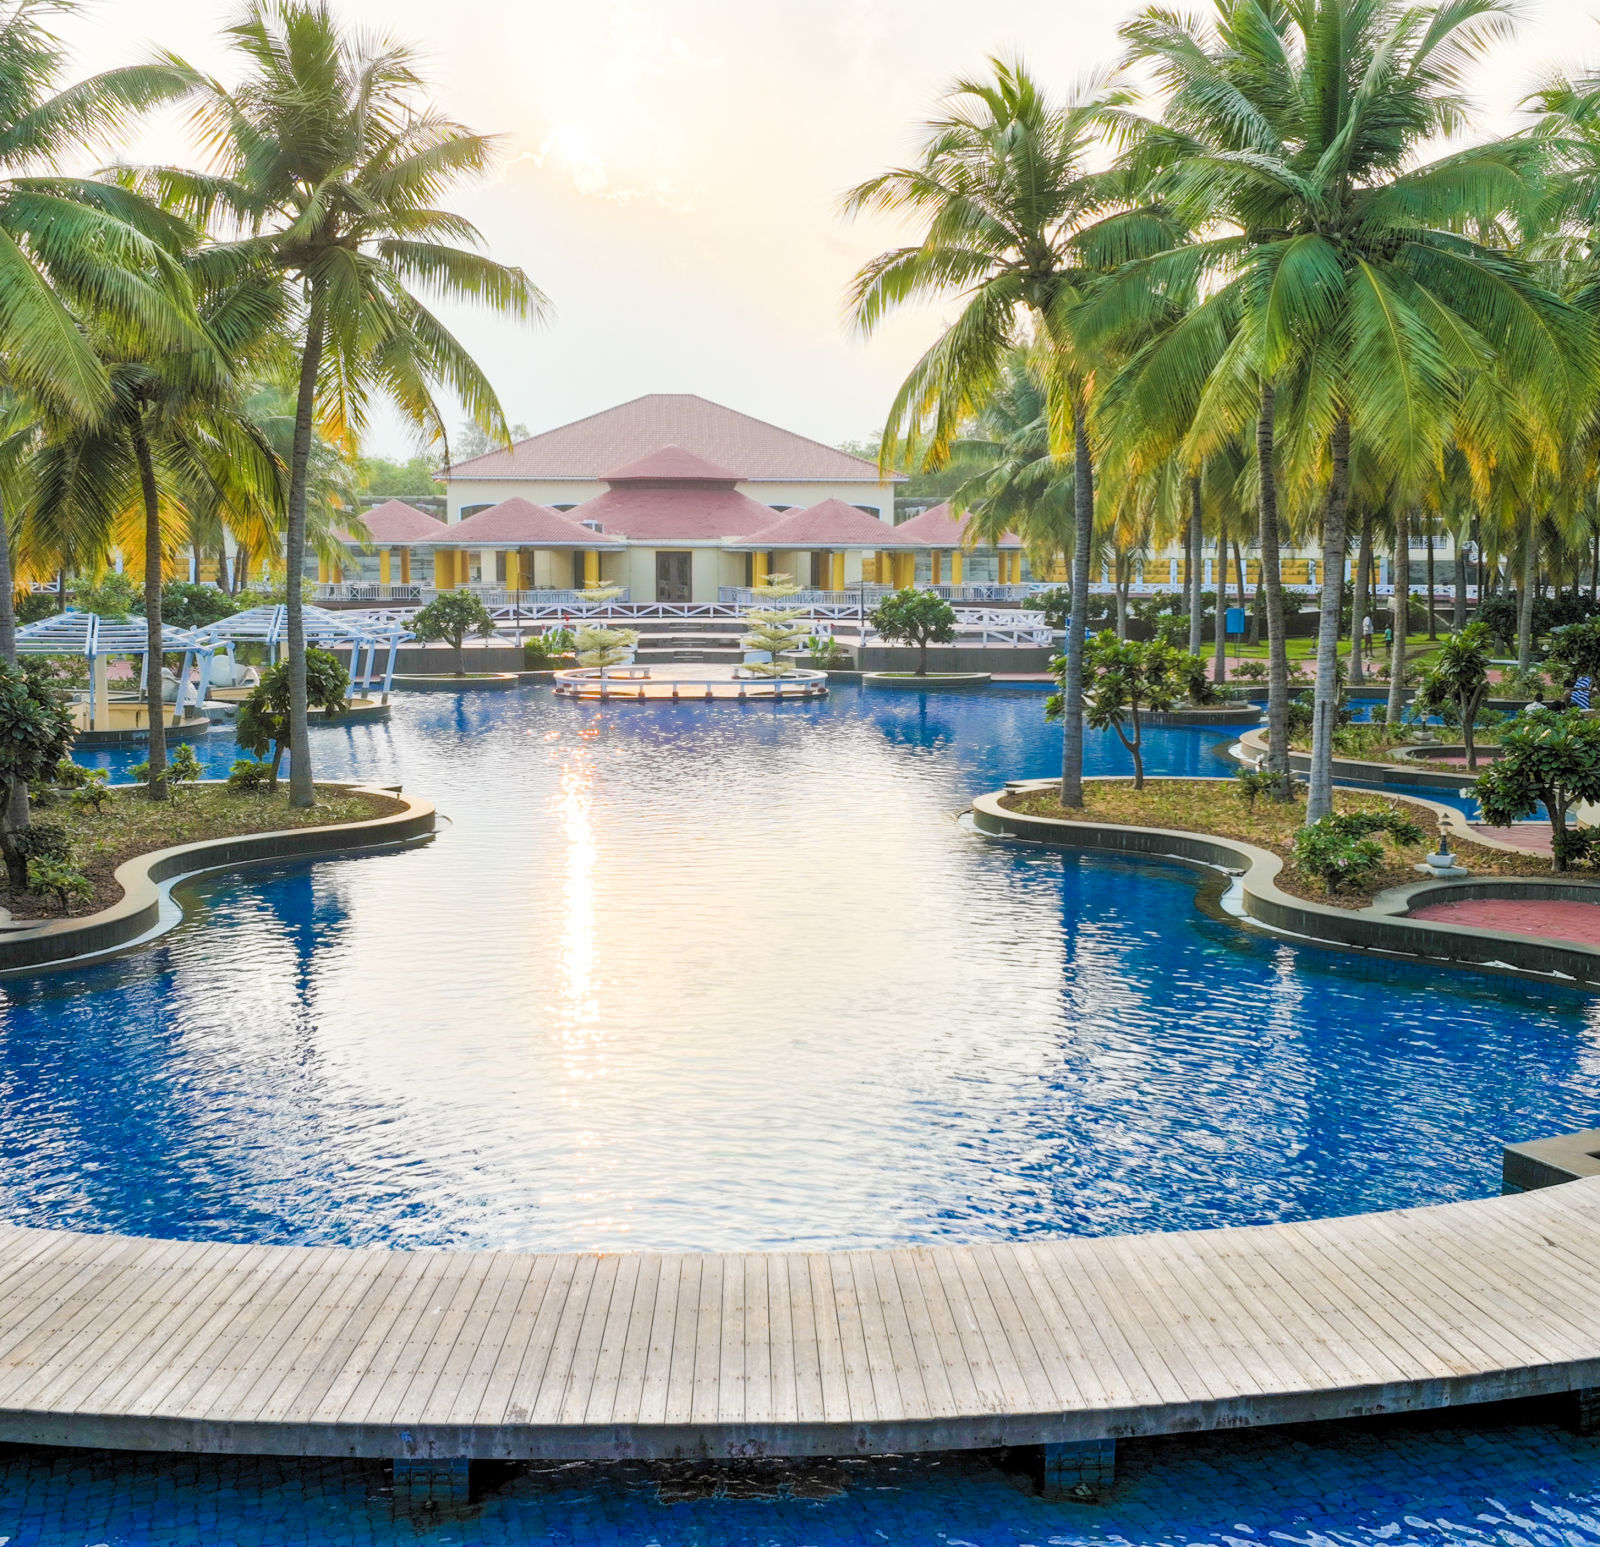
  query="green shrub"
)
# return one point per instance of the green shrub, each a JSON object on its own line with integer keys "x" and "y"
{"x": 71, "y": 776}
{"x": 47, "y": 840}
{"x": 544, "y": 650}
{"x": 93, "y": 793}
{"x": 1251, "y": 784}
{"x": 828, "y": 654}
{"x": 1343, "y": 849}
{"x": 183, "y": 766}
{"x": 59, "y": 879}
{"x": 250, "y": 775}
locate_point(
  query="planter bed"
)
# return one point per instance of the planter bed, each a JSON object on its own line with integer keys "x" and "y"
{"x": 472, "y": 681}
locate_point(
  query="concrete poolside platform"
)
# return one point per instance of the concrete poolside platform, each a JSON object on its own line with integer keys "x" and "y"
{"x": 144, "y": 1344}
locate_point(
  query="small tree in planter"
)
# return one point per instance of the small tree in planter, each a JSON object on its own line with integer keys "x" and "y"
{"x": 919, "y": 618}
{"x": 1549, "y": 759}
{"x": 773, "y": 630}
{"x": 35, "y": 733}
{"x": 454, "y": 616}
{"x": 1460, "y": 681}
{"x": 1342, "y": 848}
{"x": 263, "y": 723}
{"x": 1123, "y": 679}
{"x": 605, "y": 647}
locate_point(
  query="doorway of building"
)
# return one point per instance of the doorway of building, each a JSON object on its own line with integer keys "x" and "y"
{"x": 673, "y": 577}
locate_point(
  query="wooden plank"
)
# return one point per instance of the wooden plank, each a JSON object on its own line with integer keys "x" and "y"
{"x": 551, "y": 1390}
{"x": 863, "y": 1399}
{"x": 756, "y": 1342}
{"x": 624, "y": 1344}
{"x": 656, "y": 1383}
{"x": 678, "y": 1406}
{"x": 1026, "y": 1329}
{"x": 810, "y": 1402}
{"x": 459, "y": 1389}
{"x": 933, "y": 1342}
{"x": 889, "y": 1338}
{"x": 495, "y": 1372}
{"x": 1080, "y": 1341}
{"x": 597, "y": 1315}
{"x": 782, "y": 1399}
{"x": 830, "y": 1355}
{"x": 705, "y": 1403}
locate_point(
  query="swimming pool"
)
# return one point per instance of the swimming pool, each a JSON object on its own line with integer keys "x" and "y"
{"x": 722, "y": 977}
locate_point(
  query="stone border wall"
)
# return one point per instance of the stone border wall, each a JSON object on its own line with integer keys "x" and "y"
{"x": 31, "y": 944}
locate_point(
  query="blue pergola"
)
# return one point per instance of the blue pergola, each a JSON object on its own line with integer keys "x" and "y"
{"x": 362, "y": 636}
{"x": 97, "y": 639}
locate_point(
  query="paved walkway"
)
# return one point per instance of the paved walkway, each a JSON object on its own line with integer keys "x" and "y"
{"x": 120, "y": 1342}
{"x": 1552, "y": 918}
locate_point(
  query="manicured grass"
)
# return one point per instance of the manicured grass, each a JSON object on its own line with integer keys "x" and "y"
{"x": 128, "y": 824}
{"x": 1215, "y": 806}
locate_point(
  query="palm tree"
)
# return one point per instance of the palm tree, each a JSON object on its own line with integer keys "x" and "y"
{"x": 1020, "y": 225}
{"x": 64, "y": 241}
{"x": 326, "y": 169}
{"x": 178, "y": 448}
{"x": 1343, "y": 283}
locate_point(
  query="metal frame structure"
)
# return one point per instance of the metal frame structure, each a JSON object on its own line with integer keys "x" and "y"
{"x": 362, "y": 634}
{"x": 97, "y": 639}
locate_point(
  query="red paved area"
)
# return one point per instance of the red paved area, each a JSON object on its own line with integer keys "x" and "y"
{"x": 1533, "y": 836}
{"x": 1577, "y": 921}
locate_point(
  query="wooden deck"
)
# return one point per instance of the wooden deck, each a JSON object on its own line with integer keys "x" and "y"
{"x": 115, "y": 1341}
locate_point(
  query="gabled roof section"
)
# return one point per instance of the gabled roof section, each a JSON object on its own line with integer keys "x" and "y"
{"x": 671, "y": 464}
{"x": 668, "y": 512}
{"x": 395, "y": 522}
{"x": 519, "y": 523}
{"x": 587, "y": 448}
{"x": 832, "y": 524}
{"x": 938, "y": 527}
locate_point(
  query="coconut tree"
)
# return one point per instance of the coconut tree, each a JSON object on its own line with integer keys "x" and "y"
{"x": 177, "y": 448}
{"x": 1018, "y": 222}
{"x": 326, "y": 165}
{"x": 65, "y": 242}
{"x": 1342, "y": 282}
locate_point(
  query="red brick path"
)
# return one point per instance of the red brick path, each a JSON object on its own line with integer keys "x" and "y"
{"x": 1579, "y": 921}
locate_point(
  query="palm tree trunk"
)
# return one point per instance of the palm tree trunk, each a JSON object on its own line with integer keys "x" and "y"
{"x": 1193, "y": 562}
{"x": 1122, "y": 572}
{"x": 1402, "y": 598}
{"x": 1072, "y": 670}
{"x": 1433, "y": 622}
{"x": 1525, "y": 593}
{"x": 1594, "y": 567}
{"x": 302, "y": 789}
{"x": 1219, "y": 672}
{"x": 1361, "y": 601}
{"x": 14, "y": 822}
{"x": 1325, "y": 715}
{"x": 1272, "y": 579}
{"x": 154, "y": 704}
{"x": 1458, "y": 608}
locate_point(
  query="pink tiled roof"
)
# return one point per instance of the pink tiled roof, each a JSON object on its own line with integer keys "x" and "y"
{"x": 586, "y": 448}
{"x": 395, "y": 523}
{"x": 675, "y": 512}
{"x": 938, "y": 528}
{"x": 671, "y": 464}
{"x": 832, "y": 524}
{"x": 519, "y": 523}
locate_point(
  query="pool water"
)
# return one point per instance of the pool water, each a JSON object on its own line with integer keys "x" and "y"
{"x": 737, "y": 976}
{"x": 721, "y": 977}
{"x": 1431, "y": 1481}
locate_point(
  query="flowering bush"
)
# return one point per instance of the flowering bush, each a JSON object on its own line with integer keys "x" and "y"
{"x": 1343, "y": 849}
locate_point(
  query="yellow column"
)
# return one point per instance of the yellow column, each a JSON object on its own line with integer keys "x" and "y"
{"x": 322, "y": 571}
{"x": 338, "y": 574}
{"x": 758, "y": 568}
{"x": 906, "y": 567}
{"x": 591, "y": 568}
{"x": 383, "y": 566}
{"x": 444, "y": 569}
{"x": 405, "y": 566}
{"x": 838, "y": 572}
{"x": 955, "y": 567}
{"x": 936, "y": 570}
{"x": 513, "y": 570}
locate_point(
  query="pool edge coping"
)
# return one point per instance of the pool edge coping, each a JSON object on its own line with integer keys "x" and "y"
{"x": 32, "y": 946}
{"x": 1383, "y": 926}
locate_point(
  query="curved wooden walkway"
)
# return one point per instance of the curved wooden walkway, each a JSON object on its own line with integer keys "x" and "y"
{"x": 116, "y": 1341}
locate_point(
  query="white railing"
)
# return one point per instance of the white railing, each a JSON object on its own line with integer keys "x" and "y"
{"x": 369, "y": 591}
{"x": 635, "y": 682}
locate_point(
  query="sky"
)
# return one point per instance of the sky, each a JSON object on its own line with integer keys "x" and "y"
{"x": 671, "y": 172}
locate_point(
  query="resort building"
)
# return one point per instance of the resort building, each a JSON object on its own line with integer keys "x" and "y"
{"x": 573, "y": 463}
